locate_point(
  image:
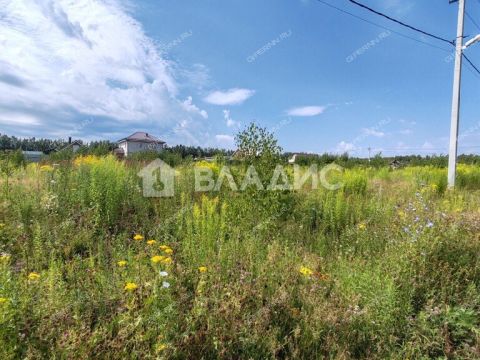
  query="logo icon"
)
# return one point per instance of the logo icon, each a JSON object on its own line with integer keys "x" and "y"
{"x": 158, "y": 179}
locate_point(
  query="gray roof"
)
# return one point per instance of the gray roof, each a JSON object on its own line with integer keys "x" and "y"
{"x": 33, "y": 153}
{"x": 144, "y": 137}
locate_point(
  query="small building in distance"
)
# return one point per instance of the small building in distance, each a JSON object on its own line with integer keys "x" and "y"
{"x": 139, "y": 142}
{"x": 74, "y": 146}
{"x": 33, "y": 156}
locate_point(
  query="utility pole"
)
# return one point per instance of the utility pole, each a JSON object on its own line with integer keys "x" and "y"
{"x": 369, "y": 150}
{"x": 457, "y": 81}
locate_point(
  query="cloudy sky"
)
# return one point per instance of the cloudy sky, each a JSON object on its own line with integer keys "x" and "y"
{"x": 195, "y": 72}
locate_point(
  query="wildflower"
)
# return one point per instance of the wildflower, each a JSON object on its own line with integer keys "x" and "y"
{"x": 86, "y": 160}
{"x": 164, "y": 247}
{"x": 306, "y": 271}
{"x": 157, "y": 258}
{"x": 4, "y": 257}
{"x": 202, "y": 269}
{"x": 362, "y": 226}
{"x": 163, "y": 273}
{"x": 161, "y": 347}
{"x": 165, "y": 284}
{"x": 168, "y": 251}
{"x": 167, "y": 260}
{"x": 138, "y": 237}
{"x": 151, "y": 242}
{"x": 130, "y": 286}
{"x": 33, "y": 276}
{"x": 3, "y": 300}
{"x": 46, "y": 168}
{"x": 429, "y": 224}
{"x": 122, "y": 263}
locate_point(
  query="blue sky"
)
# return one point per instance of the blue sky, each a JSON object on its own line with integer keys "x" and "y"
{"x": 195, "y": 72}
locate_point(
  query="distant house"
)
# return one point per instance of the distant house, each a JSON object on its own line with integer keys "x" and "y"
{"x": 139, "y": 142}
{"x": 33, "y": 156}
{"x": 395, "y": 164}
{"x": 72, "y": 145}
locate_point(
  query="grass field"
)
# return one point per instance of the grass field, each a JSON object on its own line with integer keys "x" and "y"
{"x": 385, "y": 267}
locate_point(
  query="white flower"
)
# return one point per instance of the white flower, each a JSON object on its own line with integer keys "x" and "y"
{"x": 163, "y": 273}
{"x": 166, "y": 284}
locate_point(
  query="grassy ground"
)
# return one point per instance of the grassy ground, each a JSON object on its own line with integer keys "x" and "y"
{"x": 385, "y": 267}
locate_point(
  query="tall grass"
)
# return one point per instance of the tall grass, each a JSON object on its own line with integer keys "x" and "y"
{"x": 384, "y": 267}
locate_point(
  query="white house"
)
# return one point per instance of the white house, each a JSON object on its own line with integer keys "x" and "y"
{"x": 140, "y": 141}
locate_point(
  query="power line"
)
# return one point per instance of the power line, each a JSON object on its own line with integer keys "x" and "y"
{"x": 381, "y": 26}
{"x": 472, "y": 20}
{"x": 451, "y": 42}
{"x": 471, "y": 64}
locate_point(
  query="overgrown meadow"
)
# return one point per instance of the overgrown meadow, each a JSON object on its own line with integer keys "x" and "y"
{"x": 387, "y": 266}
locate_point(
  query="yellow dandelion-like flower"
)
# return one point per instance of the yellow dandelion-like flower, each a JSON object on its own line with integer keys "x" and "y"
{"x": 164, "y": 247}
{"x": 3, "y": 300}
{"x": 202, "y": 269}
{"x": 161, "y": 347}
{"x": 305, "y": 271}
{"x": 33, "y": 276}
{"x": 122, "y": 263}
{"x": 151, "y": 242}
{"x": 130, "y": 286}
{"x": 168, "y": 251}
{"x": 138, "y": 237}
{"x": 167, "y": 260}
{"x": 157, "y": 258}
{"x": 362, "y": 226}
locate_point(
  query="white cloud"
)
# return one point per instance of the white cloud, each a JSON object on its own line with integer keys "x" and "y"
{"x": 373, "y": 132}
{"x": 343, "y": 147}
{"x": 61, "y": 60}
{"x": 191, "y": 108}
{"x": 225, "y": 140}
{"x": 306, "y": 111}
{"x": 229, "y": 121}
{"x": 427, "y": 145}
{"x": 234, "y": 96}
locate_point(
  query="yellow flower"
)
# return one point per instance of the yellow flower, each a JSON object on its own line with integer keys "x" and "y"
{"x": 161, "y": 347}
{"x": 151, "y": 242}
{"x": 167, "y": 260}
{"x": 362, "y": 226}
{"x": 164, "y": 247}
{"x": 138, "y": 237}
{"x": 168, "y": 251}
{"x": 130, "y": 286}
{"x": 202, "y": 269}
{"x": 87, "y": 160}
{"x": 33, "y": 276}
{"x": 157, "y": 258}
{"x": 47, "y": 168}
{"x": 4, "y": 257}
{"x": 3, "y": 300}
{"x": 306, "y": 271}
{"x": 122, "y": 263}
